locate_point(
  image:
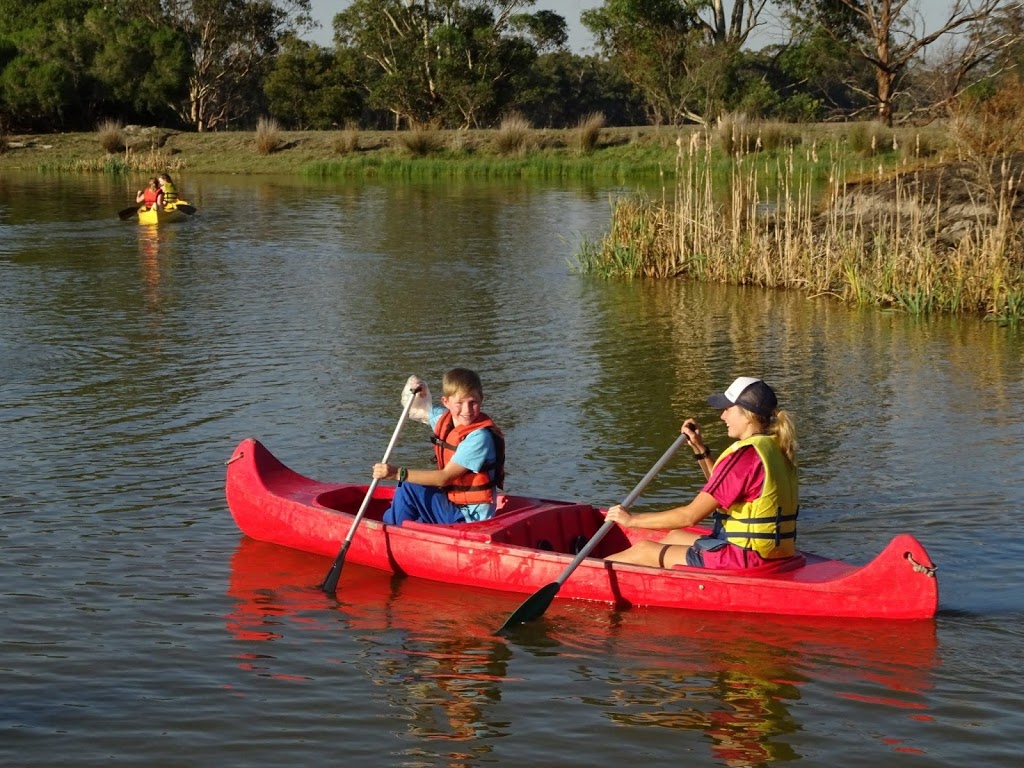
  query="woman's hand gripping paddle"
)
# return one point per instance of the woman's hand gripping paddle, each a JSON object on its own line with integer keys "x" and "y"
{"x": 330, "y": 584}
{"x": 538, "y": 602}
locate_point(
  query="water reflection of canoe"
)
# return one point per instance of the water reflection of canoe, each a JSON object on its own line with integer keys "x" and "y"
{"x": 732, "y": 677}
{"x": 531, "y": 542}
{"x": 274, "y": 585}
{"x": 172, "y": 212}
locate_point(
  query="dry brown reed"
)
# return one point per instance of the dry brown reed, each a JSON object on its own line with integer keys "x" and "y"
{"x": 129, "y": 162}
{"x": 459, "y": 143}
{"x": 588, "y": 133}
{"x": 887, "y": 246}
{"x": 110, "y": 134}
{"x": 419, "y": 140}
{"x": 347, "y": 141}
{"x": 513, "y": 136}
{"x": 269, "y": 138}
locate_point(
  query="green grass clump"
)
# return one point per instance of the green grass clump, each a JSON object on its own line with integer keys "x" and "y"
{"x": 871, "y": 139}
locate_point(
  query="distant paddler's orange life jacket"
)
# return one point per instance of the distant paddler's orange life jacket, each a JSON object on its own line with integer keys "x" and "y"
{"x": 150, "y": 196}
{"x": 470, "y": 487}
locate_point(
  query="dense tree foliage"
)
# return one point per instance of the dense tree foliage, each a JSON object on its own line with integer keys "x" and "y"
{"x": 446, "y": 62}
{"x": 309, "y": 87}
{"x": 216, "y": 64}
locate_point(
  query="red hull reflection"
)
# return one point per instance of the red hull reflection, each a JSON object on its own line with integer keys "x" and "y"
{"x": 729, "y": 676}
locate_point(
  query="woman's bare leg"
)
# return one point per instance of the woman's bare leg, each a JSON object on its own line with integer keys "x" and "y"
{"x": 668, "y": 552}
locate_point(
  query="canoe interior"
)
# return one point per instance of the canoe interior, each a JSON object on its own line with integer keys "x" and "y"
{"x": 524, "y": 522}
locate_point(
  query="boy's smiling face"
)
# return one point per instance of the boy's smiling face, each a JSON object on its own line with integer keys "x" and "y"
{"x": 464, "y": 407}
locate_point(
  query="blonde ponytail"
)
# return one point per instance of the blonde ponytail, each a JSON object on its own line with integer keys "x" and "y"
{"x": 785, "y": 432}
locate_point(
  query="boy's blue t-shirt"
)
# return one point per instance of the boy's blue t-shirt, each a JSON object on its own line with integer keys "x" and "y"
{"x": 472, "y": 453}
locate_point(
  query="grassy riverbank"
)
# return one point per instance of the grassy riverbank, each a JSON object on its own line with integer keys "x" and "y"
{"x": 512, "y": 151}
{"x": 895, "y": 218}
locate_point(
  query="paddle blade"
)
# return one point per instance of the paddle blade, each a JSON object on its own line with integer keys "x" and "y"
{"x": 330, "y": 585}
{"x": 126, "y": 213}
{"x": 533, "y": 607}
{"x": 189, "y": 209}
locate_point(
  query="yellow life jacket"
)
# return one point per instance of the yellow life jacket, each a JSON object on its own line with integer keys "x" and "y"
{"x": 767, "y": 524}
{"x": 170, "y": 193}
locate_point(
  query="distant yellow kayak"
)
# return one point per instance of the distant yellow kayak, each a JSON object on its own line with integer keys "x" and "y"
{"x": 176, "y": 211}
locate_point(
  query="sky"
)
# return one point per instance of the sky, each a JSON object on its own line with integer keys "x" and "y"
{"x": 580, "y": 39}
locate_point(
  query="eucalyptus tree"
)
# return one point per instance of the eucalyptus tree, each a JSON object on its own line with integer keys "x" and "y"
{"x": 681, "y": 54}
{"x": 455, "y": 62}
{"x": 567, "y": 88}
{"x": 230, "y": 45}
{"x": 891, "y": 35}
{"x": 308, "y": 87}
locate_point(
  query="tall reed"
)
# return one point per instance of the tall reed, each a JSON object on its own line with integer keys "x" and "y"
{"x": 129, "y": 162}
{"x": 767, "y": 221}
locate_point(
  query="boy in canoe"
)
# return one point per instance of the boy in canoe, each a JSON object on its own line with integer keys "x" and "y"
{"x": 754, "y": 481}
{"x": 470, "y": 453}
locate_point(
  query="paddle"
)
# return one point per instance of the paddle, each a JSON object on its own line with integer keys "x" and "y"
{"x": 186, "y": 208}
{"x": 330, "y": 584}
{"x": 538, "y": 602}
{"x": 126, "y": 213}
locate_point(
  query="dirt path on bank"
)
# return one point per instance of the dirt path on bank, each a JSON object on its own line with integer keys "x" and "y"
{"x": 948, "y": 202}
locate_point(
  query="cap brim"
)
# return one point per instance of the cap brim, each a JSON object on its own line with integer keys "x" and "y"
{"x": 721, "y": 402}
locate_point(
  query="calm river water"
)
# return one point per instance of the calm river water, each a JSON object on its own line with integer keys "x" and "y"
{"x": 141, "y": 629}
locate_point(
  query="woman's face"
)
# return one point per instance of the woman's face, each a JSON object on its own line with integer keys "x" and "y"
{"x": 739, "y": 424}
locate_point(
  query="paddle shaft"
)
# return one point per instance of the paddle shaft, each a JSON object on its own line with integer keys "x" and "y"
{"x": 535, "y": 605}
{"x": 626, "y": 504}
{"x": 330, "y": 584}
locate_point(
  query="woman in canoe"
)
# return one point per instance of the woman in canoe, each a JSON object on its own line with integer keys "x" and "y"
{"x": 151, "y": 195}
{"x": 754, "y": 482}
{"x": 168, "y": 188}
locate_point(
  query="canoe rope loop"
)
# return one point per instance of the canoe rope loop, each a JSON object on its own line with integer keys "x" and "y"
{"x": 235, "y": 458}
{"x": 926, "y": 570}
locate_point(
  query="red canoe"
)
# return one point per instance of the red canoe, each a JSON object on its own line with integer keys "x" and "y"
{"x": 530, "y": 542}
